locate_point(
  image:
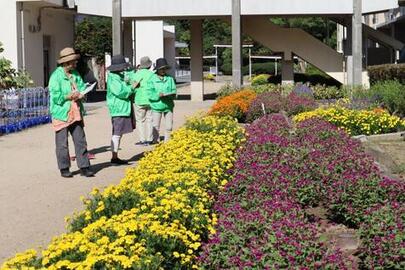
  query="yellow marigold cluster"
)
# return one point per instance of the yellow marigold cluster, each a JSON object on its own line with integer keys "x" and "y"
{"x": 357, "y": 122}
{"x": 158, "y": 215}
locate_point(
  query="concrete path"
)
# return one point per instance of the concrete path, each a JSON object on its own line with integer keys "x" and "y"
{"x": 34, "y": 199}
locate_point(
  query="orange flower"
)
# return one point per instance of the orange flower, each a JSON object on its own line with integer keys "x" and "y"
{"x": 379, "y": 110}
{"x": 235, "y": 105}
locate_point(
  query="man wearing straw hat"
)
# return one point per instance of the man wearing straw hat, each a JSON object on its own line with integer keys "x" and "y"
{"x": 66, "y": 109}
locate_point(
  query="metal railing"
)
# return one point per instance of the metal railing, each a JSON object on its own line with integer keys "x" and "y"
{"x": 23, "y": 108}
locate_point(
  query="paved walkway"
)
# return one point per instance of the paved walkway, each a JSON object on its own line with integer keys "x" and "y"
{"x": 34, "y": 199}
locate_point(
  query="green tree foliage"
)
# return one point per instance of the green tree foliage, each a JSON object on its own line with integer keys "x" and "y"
{"x": 219, "y": 32}
{"x": 9, "y": 77}
{"x": 321, "y": 28}
{"x": 94, "y": 37}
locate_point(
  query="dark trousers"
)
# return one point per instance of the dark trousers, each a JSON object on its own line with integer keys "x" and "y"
{"x": 62, "y": 149}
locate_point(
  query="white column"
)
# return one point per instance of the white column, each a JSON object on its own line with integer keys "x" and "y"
{"x": 117, "y": 27}
{"x": 357, "y": 42}
{"x": 287, "y": 69}
{"x": 237, "y": 77}
{"x": 197, "y": 80}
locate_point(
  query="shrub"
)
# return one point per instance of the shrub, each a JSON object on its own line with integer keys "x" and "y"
{"x": 235, "y": 105}
{"x": 275, "y": 101}
{"x": 387, "y": 73}
{"x": 303, "y": 89}
{"x": 296, "y": 104}
{"x": 169, "y": 217}
{"x": 260, "y": 79}
{"x": 329, "y": 92}
{"x": 257, "y": 68}
{"x": 284, "y": 89}
{"x": 9, "y": 77}
{"x": 304, "y": 78}
{"x": 390, "y": 94}
{"x": 356, "y": 122}
{"x": 260, "y": 224}
{"x": 383, "y": 237}
{"x": 226, "y": 90}
{"x": 209, "y": 77}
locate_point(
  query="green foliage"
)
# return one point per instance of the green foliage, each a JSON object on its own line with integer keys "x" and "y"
{"x": 312, "y": 70}
{"x": 209, "y": 77}
{"x": 283, "y": 89}
{"x": 387, "y": 73}
{"x": 257, "y": 68}
{"x": 329, "y": 92}
{"x": 94, "y": 37}
{"x": 260, "y": 79}
{"x": 311, "y": 79}
{"x": 382, "y": 236}
{"x": 226, "y": 90}
{"x": 391, "y": 94}
{"x": 9, "y": 77}
{"x": 316, "y": 26}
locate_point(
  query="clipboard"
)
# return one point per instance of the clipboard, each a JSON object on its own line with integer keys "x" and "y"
{"x": 88, "y": 89}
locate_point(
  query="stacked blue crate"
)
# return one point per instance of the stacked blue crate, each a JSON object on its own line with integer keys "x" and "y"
{"x": 23, "y": 108}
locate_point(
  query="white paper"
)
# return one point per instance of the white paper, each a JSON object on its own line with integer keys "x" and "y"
{"x": 88, "y": 89}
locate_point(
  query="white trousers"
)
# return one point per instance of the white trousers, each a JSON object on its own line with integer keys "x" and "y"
{"x": 143, "y": 116}
{"x": 168, "y": 119}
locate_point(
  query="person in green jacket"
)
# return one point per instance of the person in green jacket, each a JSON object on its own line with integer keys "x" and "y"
{"x": 143, "y": 112}
{"x": 162, "y": 94}
{"x": 119, "y": 95}
{"x": 66, "y": 109}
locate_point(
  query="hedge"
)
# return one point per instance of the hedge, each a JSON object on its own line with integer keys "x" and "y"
{"x": 386, "y": 73}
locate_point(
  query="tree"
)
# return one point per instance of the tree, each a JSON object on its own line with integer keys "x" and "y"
{"x": 94, "y": 37}
{"x": 9, "y": 77}
{"x": 323, "y": 29}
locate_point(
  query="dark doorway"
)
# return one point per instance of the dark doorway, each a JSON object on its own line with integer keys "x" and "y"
{"x": 46, "y": 54}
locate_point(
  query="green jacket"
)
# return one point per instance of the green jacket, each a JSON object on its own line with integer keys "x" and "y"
{"x": 143, "y": 91}
{"x": 166, "y": 86}
{"x": 59, "y": 87}
{"x": 118, "y": 95}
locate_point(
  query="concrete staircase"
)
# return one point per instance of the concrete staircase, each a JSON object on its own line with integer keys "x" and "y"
{"x": 295, "y": 41}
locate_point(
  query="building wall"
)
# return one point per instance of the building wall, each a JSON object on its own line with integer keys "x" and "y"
{"x": 9, "y": 30}
{"x": 170, "y": 8}
{"x": 169, "y": 48}
{"x": 149, "y": 40}
{"x": 58, "y": 25}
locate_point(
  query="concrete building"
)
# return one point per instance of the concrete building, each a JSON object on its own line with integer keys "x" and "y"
{"x": 33, "y": 33}
{"x": 33, "y": 46}
{"x": 391, "y": 23}
{"x": 345, "y": 66}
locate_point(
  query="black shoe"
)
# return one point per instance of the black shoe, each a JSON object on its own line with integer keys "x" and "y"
{"x": 66, "y": 173}
{"x": 148, "y": 143}
{"x": 153, "y": 142}
{"x": 86, "y": 172}
{"x": 140, "y": 143}
{"x": 117, "y": 161}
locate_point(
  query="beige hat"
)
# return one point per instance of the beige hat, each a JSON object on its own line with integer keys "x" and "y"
{"x": 67, "y": 55}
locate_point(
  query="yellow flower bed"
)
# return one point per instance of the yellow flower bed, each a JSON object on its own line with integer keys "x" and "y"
{"x": 357, "y": 122}
{"x": 171, "y": 192}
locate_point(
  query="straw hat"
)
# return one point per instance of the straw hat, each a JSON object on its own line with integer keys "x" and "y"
{"x": 67, "y": 55}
